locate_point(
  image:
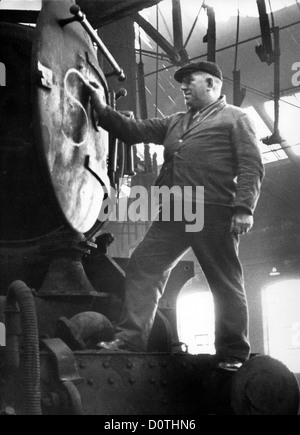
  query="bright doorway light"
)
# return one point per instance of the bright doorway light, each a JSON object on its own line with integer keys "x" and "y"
{"x": 196, "y": 322}
{"x": 281, "y": 307}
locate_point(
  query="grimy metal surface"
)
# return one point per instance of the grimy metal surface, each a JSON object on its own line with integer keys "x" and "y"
{"x": 153, "y": 384}
{"x": 72, "y": 148}
{"x": 127, "y": 384}
{"x": 26, "y": 211}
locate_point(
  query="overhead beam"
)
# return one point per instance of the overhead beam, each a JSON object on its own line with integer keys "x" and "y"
{"x": 103, "y": 12}
{"x": 99, "y": 12}
{"x": 211, "y": 37}
{"x": 178, "y": 31}
{"x": 227, "y": 47}
{"x": 159, "y": 39}
{"x": 177, "y": 25}
{"x": 265, "y": 30}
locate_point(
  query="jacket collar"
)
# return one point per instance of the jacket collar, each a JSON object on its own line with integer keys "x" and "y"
{"x": 201, "y": 116}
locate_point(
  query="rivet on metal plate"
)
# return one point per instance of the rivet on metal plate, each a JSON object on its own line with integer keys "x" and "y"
{"x": 132, "y": 381}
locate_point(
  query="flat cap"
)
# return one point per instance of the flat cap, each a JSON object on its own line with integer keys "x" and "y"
{"x": 207, "y": 67}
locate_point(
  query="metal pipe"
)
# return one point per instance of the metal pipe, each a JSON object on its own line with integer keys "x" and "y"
{"x": 129, "y": 162}
{"x": 129, "y": 165}
{"x": 142, "y": 91}
{"x": 151, "y": 53}
{"x": 13, "y": 332}
{"x": 276, "y": 138}
{"x": 20, "y": 295}
{"x": 81, "y": 18}
{"x": 211, "y": 38}
{"x": 144, "y": 113}
{"x": 277, "y": 78}
{"x": 177, "y": 25}
{"x": 113, "y": 146}
{"x": 157, "y": 61}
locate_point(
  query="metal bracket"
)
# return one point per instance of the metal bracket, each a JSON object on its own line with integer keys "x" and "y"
{"x": 93, "y": 167}
{"x": 64, "y": 360}
{"x": 45, "y": 76}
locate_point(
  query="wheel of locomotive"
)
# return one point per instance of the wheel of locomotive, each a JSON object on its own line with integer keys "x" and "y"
{"x": 265, "y": 386}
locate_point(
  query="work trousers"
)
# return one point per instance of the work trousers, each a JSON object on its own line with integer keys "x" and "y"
{"x": 216, "y": 249}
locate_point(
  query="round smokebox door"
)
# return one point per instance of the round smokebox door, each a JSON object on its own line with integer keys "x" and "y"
{"x": 72, "y": 149}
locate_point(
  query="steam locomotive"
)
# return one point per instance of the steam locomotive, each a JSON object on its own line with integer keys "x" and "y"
{"x": 61, "y": 293}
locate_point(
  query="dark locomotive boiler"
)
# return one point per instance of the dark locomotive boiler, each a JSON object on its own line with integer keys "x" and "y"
{"x": 61, "y": 294}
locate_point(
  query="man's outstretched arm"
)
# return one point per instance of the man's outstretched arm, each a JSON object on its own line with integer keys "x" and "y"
{"x": 128, "y": 130}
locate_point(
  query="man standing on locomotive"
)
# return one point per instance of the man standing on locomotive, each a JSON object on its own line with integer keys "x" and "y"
{"x": 212, "y": 145}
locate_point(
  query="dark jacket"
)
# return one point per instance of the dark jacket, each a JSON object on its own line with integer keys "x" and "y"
{"x": 218, "y": 150}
